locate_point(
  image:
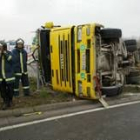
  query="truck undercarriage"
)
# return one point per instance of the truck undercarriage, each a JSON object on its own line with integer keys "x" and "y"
{"x": 114, "y": 59}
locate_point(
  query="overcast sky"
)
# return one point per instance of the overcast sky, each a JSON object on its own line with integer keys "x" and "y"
{"x": 18, "y": 18}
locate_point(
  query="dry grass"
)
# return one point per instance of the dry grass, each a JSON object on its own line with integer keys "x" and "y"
{"x": 44, "y": 96}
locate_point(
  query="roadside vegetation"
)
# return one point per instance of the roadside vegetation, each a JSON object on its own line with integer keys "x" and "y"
{"x": 43, "y": 96}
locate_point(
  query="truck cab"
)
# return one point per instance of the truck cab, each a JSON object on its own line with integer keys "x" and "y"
{"x": 84, "y": 60}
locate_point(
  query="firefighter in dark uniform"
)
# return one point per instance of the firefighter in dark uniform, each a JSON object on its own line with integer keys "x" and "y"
{"x": 20, "y": 67}
{"x": 6, "y": 75}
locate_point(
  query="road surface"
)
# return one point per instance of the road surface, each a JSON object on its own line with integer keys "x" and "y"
{"x": 121, "y": 123}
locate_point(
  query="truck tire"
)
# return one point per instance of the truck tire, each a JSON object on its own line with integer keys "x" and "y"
{"x": 134, "y": 73}
{"x": 131, "y": 48}
{"x": 130, "y": 42}
{"x": 109, "y": 33}
{"x": 131, "y": 45}
{"x": 112, "y": 90}
{"x": 133, "y": 78}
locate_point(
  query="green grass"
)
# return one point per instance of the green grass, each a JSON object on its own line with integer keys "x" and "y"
{"x": 44, "y": 93}
{"x": 33, "y": 84}
{"x": 43, "y": 96}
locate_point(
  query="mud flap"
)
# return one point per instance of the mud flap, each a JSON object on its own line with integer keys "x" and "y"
{"x": 98, "y": 88}
{"x": 103, "y": 102}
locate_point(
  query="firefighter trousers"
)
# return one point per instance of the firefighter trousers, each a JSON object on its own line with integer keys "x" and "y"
{"x": 7, "y": 91}
{"x": 25, "y": 84}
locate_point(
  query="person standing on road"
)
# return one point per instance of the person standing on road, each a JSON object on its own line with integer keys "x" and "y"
{"x": 6, "y": 76}
{"x": 20, "y": 67}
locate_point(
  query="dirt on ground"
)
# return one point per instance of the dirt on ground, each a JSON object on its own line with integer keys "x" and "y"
{"x": 47, "y": 96}
{"x": 39, "y": 98}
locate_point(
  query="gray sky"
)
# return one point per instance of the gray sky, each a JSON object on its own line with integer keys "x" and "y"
{"x": 18, "y": 18}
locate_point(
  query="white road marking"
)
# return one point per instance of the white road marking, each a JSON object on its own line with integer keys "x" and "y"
{"x": 66, "y": 116}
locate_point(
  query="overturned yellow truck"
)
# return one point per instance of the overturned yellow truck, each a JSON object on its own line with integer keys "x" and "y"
{"x": 84, "y": 60}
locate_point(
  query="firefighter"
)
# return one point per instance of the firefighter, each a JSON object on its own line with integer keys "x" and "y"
{"x": 6, "y": 76}
{"x": 20, "y": 67}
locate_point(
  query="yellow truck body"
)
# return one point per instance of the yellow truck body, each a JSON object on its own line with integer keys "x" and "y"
{"x": 73, "y": 59}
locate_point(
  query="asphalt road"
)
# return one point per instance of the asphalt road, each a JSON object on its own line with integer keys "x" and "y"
{"x": 121, "y": 123}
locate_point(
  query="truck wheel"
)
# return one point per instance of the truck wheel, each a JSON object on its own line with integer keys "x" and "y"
{"x": 131, "y": 45}
{"x": 131, "y": 48}
{"x": 130, "y": 42}
{"x": 133, "y": 78}
{"x": 109, "y": 33}
{"x": 134, "y": 73}
{"x": 112, "y": 90}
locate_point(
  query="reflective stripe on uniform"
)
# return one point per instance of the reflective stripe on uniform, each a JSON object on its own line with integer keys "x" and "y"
{"x": 26, "y": 87}
{"x": 25, "y": 73}
{"x": 10, "y": 79}
{"x": 18, "y": 74}
{"x": 3, "y": 67}
{"x": 21, "y": 62}
{"x": 9, "y": 58}
{"x": 16, "y": 90}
